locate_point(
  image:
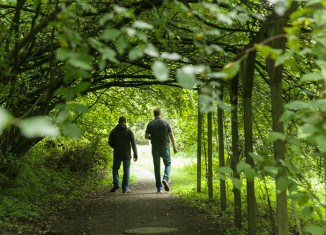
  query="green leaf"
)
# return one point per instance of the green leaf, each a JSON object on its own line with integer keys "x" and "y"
{"x": 136, "y": 53}
{"x": 287, "y": 115}
{"x": 313, "y": 2}
{"x": 82, "y": 87}
{"x": 223, "y": 105}
{"x": 63, "y": 54}
{"x": 80, "y": 63}
{"x": 237, "y": 183}
{"x": 306, "y": 130}
{"x": 242, "y": 165}
{"x": 170, "y": 56}
{"x": 107, "y": 17}
{"x": 205, "y": 99}
{"x": 96, "y": 43}
{"x": 87, "y": 7}
{"x": 250, "y": 173}
{"x": 122, "y": 44}
{"x": 79, "y": 108}
{"x": 217, "y": 75}
{"x": 321, "y": 141}
{"x": 316, "y": 230}
{"x": 108, "y": 53}
{"x": 231, "y": 69}
{"x": 71, "y": 129}
{"x": 222, "y": 177}
{"x": 110, "y": 34}
{"x": 282, "y": 59}
{"x": 151, "y": 51}
{"x": 124, "y": 11}
{"x": 225, "y": 170}
{"x": 282, "y": 184}
{"x": 67, "y": 93}
{"x": 38, "y": 127}
{"x": 63, "y": 115}
{"x": 142, "y": 25}
{"x": 307, "y": 211}
{"x": 160, "y": 71}
{"x": 294, "y": 42}
{"x": 225, "y": 18}
{"x": 5, "y": 119}
{"x": 271, "y": 169}
{"x": 268, "y": 52}
{"x": 186, "y": 77}
{"x": 273, "y": 136}
{"x": 256, "y": 157}
{"x": 311, "y": 77}
{"x": 297, "y": 105}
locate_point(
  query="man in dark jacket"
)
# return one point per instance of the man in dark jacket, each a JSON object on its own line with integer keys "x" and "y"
{"x": 121, "y": 139}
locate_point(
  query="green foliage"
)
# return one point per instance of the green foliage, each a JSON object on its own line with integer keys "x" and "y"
{"x": 73, "y": 62}
{"x": 40, "y": 189}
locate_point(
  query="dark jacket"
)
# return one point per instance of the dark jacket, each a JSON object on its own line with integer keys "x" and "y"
{"x": 121, "y": 139}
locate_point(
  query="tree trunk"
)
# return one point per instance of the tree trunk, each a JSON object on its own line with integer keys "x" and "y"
{"x": 220, "y": 114}
{"x": 210, "y": 155}
{"x": 235, "y": 149}
{"x": 248, "y": 69}
{"x": 199, "y": 143}
{"x": 275, "y": 74}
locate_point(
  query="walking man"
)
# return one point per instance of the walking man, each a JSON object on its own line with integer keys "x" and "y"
{"x": 122, "y": 139}
{"x": 160, "y": 133}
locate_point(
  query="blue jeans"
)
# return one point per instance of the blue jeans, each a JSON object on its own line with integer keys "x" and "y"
{"x": 158, "y": 152}
{"x": 126, "y": 172}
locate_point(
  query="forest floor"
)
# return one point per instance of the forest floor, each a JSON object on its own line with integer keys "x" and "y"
{"x": 143, "y": 211}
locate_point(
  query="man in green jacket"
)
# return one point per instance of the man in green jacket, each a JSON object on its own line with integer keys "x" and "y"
{"x": 122, "y": 139}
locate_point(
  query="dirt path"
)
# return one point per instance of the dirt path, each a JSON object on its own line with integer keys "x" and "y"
{"x": 134, "y": 213}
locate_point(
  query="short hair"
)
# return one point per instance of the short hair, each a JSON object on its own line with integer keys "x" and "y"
{"x": 157, "y": 112}
{"x": 122, "y": 120}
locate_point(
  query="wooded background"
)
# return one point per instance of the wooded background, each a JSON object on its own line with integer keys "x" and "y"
{"x": 243, "y": 79}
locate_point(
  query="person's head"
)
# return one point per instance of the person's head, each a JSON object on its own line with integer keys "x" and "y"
{"x": 122, "y": 120}
{"x": 157, "y": 112}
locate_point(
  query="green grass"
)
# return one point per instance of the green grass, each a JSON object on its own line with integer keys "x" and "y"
{"x": 184, "y": 184}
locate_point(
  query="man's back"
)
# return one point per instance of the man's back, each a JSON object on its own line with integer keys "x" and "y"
{"x": 159, "y": 130}
{"x": 120, "y": 140}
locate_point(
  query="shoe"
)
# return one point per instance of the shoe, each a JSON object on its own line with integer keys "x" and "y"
{"x": 159, "y": 191}
{"x": 166, "y": 185}
{"x": 126, "y": 191}
{"x": 115, "y": 187}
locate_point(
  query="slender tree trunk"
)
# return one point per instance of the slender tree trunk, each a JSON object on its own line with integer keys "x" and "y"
{"x": 275, "y": 74}
{"x": 199, "y": 144}
{"x": 248, "y": 69}
{"x": 220, "y": 114}
{"x": 235, "y": 149}
{"x": 210, "y": 155}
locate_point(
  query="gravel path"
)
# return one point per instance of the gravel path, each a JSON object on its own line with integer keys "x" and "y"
{"x": 143, "y": 211}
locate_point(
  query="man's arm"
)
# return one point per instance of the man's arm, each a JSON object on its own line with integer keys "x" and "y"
{"x": 110, "y": 141}
{"x": 175, "y": 150}
{"x": 147, "y": 136}
{"x": 133, "y": 146}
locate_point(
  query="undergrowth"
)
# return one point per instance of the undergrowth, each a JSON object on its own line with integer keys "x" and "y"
{"x": 184, "y": 183}
{"x": 47, "y": 184}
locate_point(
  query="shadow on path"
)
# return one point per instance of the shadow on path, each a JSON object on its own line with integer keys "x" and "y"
{"x": 143, "y": 211}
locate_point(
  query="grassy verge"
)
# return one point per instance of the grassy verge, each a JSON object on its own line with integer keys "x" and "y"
{"x": 39, "y": 191}
{"x": 184, "y": 183}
